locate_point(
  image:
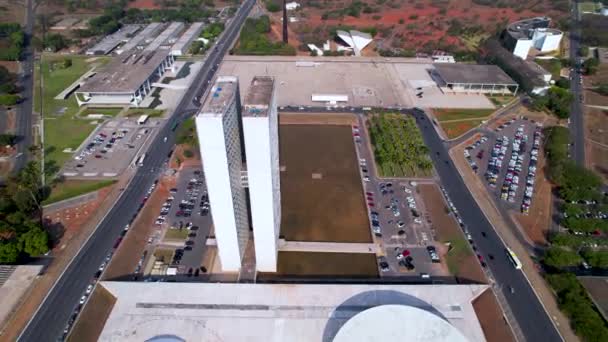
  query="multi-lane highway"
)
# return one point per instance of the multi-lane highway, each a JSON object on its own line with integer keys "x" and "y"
{"x": 531, "y": 317}
{"x": 24, "y": 109}
{"x": 51, "y": 317}
{"x": 577, "y": 127}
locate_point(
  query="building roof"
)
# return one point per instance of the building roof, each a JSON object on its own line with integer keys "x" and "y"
{"x": 220, "y": 95}
{"x": 108, "y": 43}
{"x": 398, "y": 323}
{"x": 140, "y": 39}
{"x": 278, "y": 312}
{"x": 125, "y": 74}
{"x": 259, "y": 97}
{"x": 192, "y": 32}
{"x": 523, "y": 29}
{"x": 166, "y": 37}
{"x": 472, "y": 74}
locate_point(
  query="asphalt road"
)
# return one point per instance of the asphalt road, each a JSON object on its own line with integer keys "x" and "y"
{"x": 532, "y": 319}
{"x": 49, "y": 321}
{"x": 24, "y": 109}
{"x": 577, "y": 128}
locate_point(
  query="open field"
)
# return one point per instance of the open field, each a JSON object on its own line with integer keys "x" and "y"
{"x": 110, "y": 111}
{"x": 491, "y": 319}
{"x": 321, "y": 194}
{"x": 461, "y": 114}
{"x": 399, "y": 150}
{"x": 588, "y": 6}
{"x": 153, "y": 113}
{"x": 596, "y": 122}
{"x": 454, "y": 129}
{"x": 61, "y": 129}
{"x": 421, "y": 25}
{"x": 72, "y": 188}
{"x": 460, "y": 259}
{"x": 12, "y": 11}
{"x": 93, "y": 317}
{"x": 325, "y": 265}
{"x": 176, "y": 234}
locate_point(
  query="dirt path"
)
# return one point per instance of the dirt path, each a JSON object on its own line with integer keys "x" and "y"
{"x": 491, "y": 319}
{"x": 317, "y": 119}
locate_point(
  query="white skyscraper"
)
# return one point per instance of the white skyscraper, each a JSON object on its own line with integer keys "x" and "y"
{"x": 218, "y": 129}
{"x": 260, "y": 127}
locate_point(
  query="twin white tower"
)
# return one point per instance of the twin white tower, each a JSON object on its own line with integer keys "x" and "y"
{"x": 240, "y": 147}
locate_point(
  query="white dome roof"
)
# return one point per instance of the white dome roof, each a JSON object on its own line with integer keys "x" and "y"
{"x": 397, "y": 323}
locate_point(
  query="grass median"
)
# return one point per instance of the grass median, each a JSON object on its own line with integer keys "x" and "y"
{"x": 72, "y": 188}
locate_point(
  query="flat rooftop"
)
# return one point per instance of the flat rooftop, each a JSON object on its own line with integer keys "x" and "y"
{"x": 259, "y": 96}
{"x": 221, "y": 93}
{"x": 597, "y": 288}
{"x": 271, "y": 312}
{"x": 473, "y": 74}
{"x": 367, "y": 81}
{"x": 140, "y": 39}
{"x": 188, "y": 36}
{"x": 522, "y": 29}
{"x": 126, "y": 73}
{"x": 111, "y": 41}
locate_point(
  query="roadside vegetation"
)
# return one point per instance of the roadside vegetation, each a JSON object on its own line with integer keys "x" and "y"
{"x": 461, "y": 114}
{"x": 62, "y": 190}
{"x": 583, "y": 246}
{"x": 211, "y": 32}
{"x": 398, "y": 146}
{"x": 594, "y": 30}
{"x": 21, "y": 234}
{"x": 557, "y": 101}
{"x": 253, "y": 40}
{"x": 8, "y": 88}
{"x": 11, "y": 41}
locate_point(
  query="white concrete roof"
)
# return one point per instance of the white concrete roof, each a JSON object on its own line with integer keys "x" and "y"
{"x": 274, "y": 312}
{"x": 398, "y": 323}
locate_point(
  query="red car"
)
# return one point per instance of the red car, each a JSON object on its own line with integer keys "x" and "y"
{"x": 371, "y": 204}
{"x": 369, "y": 193}
{"x": 406, "y": 252}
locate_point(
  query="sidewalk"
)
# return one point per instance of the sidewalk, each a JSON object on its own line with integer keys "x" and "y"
{"x": 540, "y": 287}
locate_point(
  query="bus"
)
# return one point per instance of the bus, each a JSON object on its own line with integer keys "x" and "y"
{"x": 140, "y": 160}
{"x": 513, "y": 258}
{"x": 142, "y": 119}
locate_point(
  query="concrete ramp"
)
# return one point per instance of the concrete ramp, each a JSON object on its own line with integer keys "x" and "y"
{"x": 169, "y": 86}
{"x": 327, "y": 247}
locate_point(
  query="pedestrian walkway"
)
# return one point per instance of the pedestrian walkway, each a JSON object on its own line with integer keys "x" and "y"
{"x": 329, "y": 247}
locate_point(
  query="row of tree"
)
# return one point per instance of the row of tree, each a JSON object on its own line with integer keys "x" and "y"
{"x": 21, "y": 233}
{"x": 253, "y": 40}
{"x": 12, "y": 41}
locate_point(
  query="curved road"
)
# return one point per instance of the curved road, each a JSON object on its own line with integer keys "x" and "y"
{"x": 48, "y": 322}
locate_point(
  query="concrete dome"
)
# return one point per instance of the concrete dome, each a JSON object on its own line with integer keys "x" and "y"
{"x": 397, "y": 323}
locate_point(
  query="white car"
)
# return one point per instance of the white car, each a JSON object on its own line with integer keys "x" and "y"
{"x": 417, "y": 220}
{"x": 89, "y": 289}
{"x": 366, "y": 178}
{"x": 82, "y": 300}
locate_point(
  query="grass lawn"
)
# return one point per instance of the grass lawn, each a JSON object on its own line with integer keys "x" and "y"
{"x": 460, "y": 114}
{"x": 73, "y": 188}
{"x": 455, "y": 129}
{"x": 176, "y": 234}
{"x": 554, "y": 66}
{"x": 163, "y": 254}
{"x": 588, "y": 6}
{"x": 110, "y": 111}
{"x": 61, "y": 129}
{"x": 459, "y": 250}
{"x": 153, "y": 113}
{"x": 499, "y": 101}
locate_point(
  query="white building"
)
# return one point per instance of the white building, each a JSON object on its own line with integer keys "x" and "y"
{"x": 290, "y": 6}
{"x": 355, "y": 41}
{"x": 261, "y": 132}
{"x": 532, "y": 33}
{"x": 183, "y": 43}
{"x": 218, "y": 129}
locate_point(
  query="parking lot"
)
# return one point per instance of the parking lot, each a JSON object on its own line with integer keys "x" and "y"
{"x": 186, "y": 218}
{"x": 110, "y": 149}
{"x": 507, "y": 159}
{"x": 397, "y": 217}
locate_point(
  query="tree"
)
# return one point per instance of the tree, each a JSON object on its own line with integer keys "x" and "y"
{"x": 602, "y": 89}
{"x": 560, "y": 257}
{"x": 563, "y": 83}
{"x": 7, "y": 139}
{"x": 272, "y": 6}
{"x": 9, "y": 99}
{"x": 583, "y": 51}
{"x": 590, "y": 66}
{"x": 9, "y": 251}
{"x": 55, "y": 42}
{"x": 35, "y": 242}
{"x": 597, "y": 259}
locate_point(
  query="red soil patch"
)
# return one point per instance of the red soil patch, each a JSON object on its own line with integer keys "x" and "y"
{"x": 143, "y": 4}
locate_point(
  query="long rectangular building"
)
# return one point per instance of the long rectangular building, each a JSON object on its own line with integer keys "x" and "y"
{"x": 219, "y": 137}
{"x": 183, "y": 43}
{"x": 128, "y": 78}
{"x": 261, "y": 132}
{"x": 142, "y": 38}
{"x": 110, "y": 42}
